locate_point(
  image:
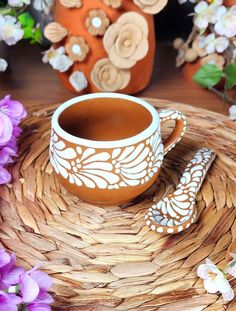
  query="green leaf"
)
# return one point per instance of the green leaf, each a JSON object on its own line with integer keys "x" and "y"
{"x": 208, "y": 75}
{"x": 27, "y": 33}
{"x": 26, "y": 20}
{"x": 38, "y": 35}
{"x": 30, "y": 33}
{"x": 230, "y": 76}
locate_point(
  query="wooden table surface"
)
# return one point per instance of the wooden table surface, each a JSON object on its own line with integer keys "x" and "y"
{"x": 31, "y": 81}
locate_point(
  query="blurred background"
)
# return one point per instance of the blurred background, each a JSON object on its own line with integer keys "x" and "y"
{"x": 32, "y": 81}
{"x": 174, "y": 21}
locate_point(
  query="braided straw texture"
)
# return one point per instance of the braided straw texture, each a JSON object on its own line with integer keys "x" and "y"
{"x": 106, "y": 258}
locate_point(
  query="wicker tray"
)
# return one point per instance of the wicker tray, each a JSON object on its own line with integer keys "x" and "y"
{"x": 106, "y": 258}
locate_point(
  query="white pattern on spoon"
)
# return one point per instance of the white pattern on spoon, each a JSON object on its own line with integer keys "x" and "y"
{"x": 177, "y": 211}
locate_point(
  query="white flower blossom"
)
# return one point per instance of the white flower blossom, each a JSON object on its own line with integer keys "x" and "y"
{"x": 43, "y": 5}
{"x": 3, "y": 65}
{"x": 57, "y": 59}
{"x": 232, "y": 112}
{"x": 78, "y": 80}
{"x": 18, "y": 3}
{"x": 226, "y": 21}
{"x": 214, "y": 280}
{"x": 205, "y": 13}
{"x": 231, "y": 269}
{"x": 183, "y": 1}
{"x": 10, "y": 30}
{"x": 228, "y": 295}
{"x": 212, "y": 44}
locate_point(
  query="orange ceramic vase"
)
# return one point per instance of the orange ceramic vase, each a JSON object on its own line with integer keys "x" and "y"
{"x": 229, "y": 3}
{"x": 110, "y": 63}
{"x": 189, "y": 70}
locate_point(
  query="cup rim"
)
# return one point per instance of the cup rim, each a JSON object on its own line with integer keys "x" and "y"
{"x": 111, "y": 143}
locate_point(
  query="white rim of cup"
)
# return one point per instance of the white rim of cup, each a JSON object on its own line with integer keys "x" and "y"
{"x": 112, "y": 143}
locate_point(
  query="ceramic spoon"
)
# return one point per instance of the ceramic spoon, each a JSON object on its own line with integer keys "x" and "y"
{"x": 177, "y": 211}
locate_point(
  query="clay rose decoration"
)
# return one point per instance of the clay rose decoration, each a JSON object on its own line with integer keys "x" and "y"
{"x": 126, "y": 41}
{"x": 108, "y": 78}
{"x": 151, "y": 6}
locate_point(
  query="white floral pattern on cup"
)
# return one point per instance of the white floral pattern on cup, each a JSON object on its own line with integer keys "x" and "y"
{"x": 131, "y": 166}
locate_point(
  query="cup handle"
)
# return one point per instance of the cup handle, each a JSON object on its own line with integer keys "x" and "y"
{"x": 178, "y": 131}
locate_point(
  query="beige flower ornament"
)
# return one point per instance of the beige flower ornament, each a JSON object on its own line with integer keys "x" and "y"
{"x": 71, "y": 3}
{"x": 55, "y": 32}
{"x": 214, "y": 59}
{"x": 126, "y": 41}
{"x": 151, "y": 6}
{"x": 97, "y": 22}
{"x": 77, "y": 49}
{"x": 115, "y": 4}
{"x": 108, "y": 78}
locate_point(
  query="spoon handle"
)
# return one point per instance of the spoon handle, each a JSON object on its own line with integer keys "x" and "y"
{"x": 177, "y": 211}
{"x": 196, "y": 170}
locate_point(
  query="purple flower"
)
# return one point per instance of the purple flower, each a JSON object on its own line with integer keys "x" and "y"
{"x": 16, "y": 131}
{"x": 12, "y": 143}
{"x": 29, "y": 288}
{"x": 11, "y": 113}
{"x": 22, "y": 289}
{"x": 34, "y": 286}
{"x": 43, "y": 280}
{"x": 13, "y": 109}
{"x": 43, "y": 298}
{"x": 9, "y": 302}
{"x": 4, "y": 258}
{"x": 41, "y": 303}
{"x": 38, "y": 307}
{"x": 5, "y": 176}
{"x": 6, "y": 128}
{"x": 9, "y": 272}
{"x": 6, "y": 154}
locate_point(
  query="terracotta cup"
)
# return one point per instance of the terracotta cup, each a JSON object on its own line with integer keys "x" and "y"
{"x": 106, "y": 148}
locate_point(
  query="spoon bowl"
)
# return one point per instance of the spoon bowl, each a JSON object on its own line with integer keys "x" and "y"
{"x": 177, "y": 211}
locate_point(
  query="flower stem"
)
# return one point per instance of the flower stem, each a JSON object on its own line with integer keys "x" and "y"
{"x": 5, "y": 11}
{"x": 22, "y": 307}
{"x": 223, "y": 95}
{"x": 12, "y": 11}
{"x": 192, "y": 35}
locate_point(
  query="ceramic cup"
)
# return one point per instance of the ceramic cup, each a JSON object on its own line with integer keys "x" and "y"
{"x": 106, "y": 148}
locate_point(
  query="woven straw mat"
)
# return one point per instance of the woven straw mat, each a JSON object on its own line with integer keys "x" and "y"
{"x": 106, "y": 258}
